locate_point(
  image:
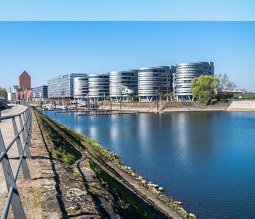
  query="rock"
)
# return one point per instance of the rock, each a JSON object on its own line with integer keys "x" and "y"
{"x": 161, "y": 189}
{"x": 73, "y": 208}
{"x": 191, "y": 216}
{"x": 75, "y": 194}
{"x": 152, "y": 185}
{"x": 178, "y": 203}
{"x": 143, "y": 181}
{"x": 155, "y": 191}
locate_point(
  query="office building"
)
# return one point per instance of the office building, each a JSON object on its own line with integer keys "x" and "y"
{"x": 185, "y": 72}
{"x": 154, "y": 82}
{"x": 15, "y": 89}
{"x": 81, "y": 88}
{"x": 62, "y": 87}
{"x": 40, "y": 93}
{"x": 99, "y": 86}
{"x": 123, "y": 85}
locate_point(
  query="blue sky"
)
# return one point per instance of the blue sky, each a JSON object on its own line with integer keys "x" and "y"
{"x": 135, "y": 10}
{"x": 80, "y": 43}
{"x": 48, "y": 49}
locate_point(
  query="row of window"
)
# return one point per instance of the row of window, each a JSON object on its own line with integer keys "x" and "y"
{"x": 153, "y": 70}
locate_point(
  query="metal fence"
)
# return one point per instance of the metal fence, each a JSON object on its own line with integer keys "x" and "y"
{"x": 23, "y": 141}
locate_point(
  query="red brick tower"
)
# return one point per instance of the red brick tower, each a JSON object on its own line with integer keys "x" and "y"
{"x": 24, "y": 81}
{"x": 24, "y": 84}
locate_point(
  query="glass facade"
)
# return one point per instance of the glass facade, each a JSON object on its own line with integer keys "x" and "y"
{"x": 40, "y": 92}
{"x": 154, "y": 82}
{"x": 81, "y": 88}
{"x": 122, "y": 84}
{"x": 185, "y": 72}
{"x": 63, "y": 86}
{"x": 98, "y": 86}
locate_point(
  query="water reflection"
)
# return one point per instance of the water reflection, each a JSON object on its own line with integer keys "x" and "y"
{"x": 182, "y": 137}
{"x": 199, "y": 158}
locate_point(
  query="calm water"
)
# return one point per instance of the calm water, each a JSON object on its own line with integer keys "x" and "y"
{"x": 205, "y": 160}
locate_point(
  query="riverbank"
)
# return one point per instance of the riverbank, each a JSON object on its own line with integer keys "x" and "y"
{"x": 126, "y": 184}
{"x": 164, "y": 107}
{"x": 74, "y": 176}
{"x": 242, "y": 106}
{"x": 154, "y": 107}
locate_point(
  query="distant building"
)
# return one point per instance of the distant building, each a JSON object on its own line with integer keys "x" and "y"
{"x": 62, "y": 87}
{"x": 185, "y": 72}
{"x": 15, "y": 89}
{"x": 122, "y": 84}
{"x": 40, "y": 93}
{"x": 24, "y": 87}
{"x": 13, "y": 93}
{"x": 24, "y": 81}
{"x": 81, "y": 88}
{"x": 99, "y": 86}
{"x": 154, "y": 82}
{"x": 11, "y": 97}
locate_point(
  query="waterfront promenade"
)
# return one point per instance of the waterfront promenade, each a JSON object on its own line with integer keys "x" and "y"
{"x": 8, "y": 134}
{"x": 28, "y": 189}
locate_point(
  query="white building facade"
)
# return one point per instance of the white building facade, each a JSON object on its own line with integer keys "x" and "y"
{"x": 154, "y": 82}
{"x": 63, "y": 86}
{"x": 123, "y": 85}
{"x": 185, "y": 72}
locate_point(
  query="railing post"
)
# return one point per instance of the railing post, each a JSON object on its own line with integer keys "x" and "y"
{"x": 20, "y": 149}
{"x": 28, "y": 131}
{"x": 10, "y": 183}
{"x": 25, "y": 138}
{"x": 30, "y": 119}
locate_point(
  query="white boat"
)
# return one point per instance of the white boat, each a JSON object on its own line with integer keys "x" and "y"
{"x": 61, "y": 107}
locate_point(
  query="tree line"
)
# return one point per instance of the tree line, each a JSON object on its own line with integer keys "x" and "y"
{"x": 207, "y": 88}
{"x": 3, "y": 92}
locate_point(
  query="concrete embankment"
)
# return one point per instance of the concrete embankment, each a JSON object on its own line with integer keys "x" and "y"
{"x": 74, "y": 176}
{"x": 152, "y": 107}
{"x": 242, "y": 106}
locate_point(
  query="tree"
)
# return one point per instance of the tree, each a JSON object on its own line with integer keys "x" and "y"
{"x": 203, "y": 87}
{"x": 224, "y": 85}
{"x": 3, "y": 92}
{"x": 169, "y": 96}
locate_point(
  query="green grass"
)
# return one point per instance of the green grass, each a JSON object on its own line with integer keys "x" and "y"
{"x": 79, "y": 139}
{"x": 245, "y": 96}
{"x": 60, "y": 148}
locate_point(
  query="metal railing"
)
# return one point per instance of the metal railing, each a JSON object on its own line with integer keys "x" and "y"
{"x": 23, "y": 141}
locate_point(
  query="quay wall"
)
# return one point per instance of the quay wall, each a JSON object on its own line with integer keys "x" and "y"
{"x": 162, "y": 106}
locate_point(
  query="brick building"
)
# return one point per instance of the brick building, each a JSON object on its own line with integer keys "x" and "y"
{"x": 24, "y": 87}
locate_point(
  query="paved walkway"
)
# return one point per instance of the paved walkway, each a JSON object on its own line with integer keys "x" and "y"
{"x": 8, "y": 135}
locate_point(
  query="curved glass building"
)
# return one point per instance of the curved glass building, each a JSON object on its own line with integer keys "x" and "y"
{"x": 123, "y": 84}
{"x": 153, "y": 82}
{"x": 81, "y": 87}
{"x": 98, "y": 86}
{"x": 185, "y": 72}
